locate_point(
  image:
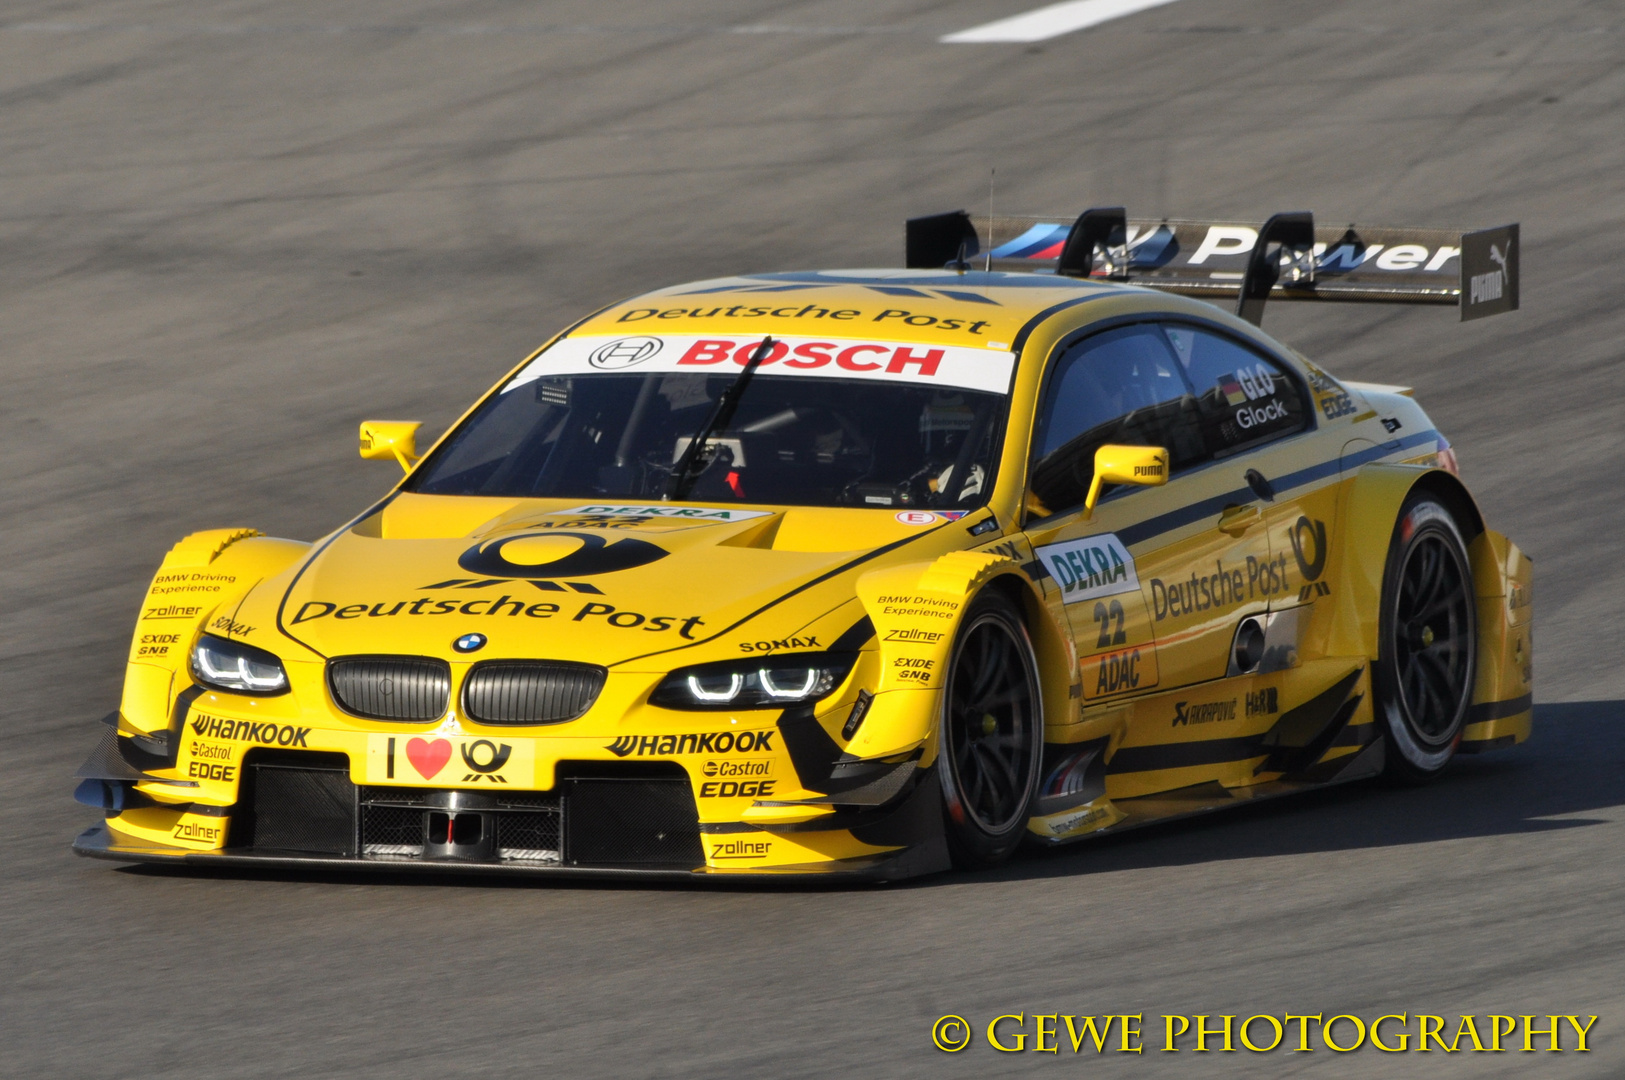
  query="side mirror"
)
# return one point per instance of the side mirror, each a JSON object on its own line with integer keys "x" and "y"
{"x": 385, "y": 440}
{"x": 1145, "y": 466}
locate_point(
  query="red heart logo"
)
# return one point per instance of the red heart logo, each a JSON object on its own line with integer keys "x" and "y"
{"x": 428, "y": 757}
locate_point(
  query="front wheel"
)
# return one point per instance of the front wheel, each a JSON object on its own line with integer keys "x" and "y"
{"x": 991, "y": 736}
{"x": 1429, "y": 642}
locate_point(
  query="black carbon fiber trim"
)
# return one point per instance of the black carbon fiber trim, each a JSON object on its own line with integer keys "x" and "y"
{"x": 530, "y": 691}
{"x": 1184, "y": 754}
{"x": 632, "y": 823}
{"x": 391, "y": 687}
{"x": 1295, "y": 741}
{"x": 108, "y": 762}
{"x": 95, "y": 843}
{"x": 302, "y": 810}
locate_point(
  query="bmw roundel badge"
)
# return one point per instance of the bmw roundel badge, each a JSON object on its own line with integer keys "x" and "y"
{"x": 469, "y": 643}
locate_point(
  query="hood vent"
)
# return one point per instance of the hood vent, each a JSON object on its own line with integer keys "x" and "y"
{"x": 530, "y": 691}
{"x": 391, "y": 687}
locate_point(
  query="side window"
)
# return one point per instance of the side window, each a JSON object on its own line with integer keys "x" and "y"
{"x": 1244, "y": 399}
{"x": 1122, "y": 386}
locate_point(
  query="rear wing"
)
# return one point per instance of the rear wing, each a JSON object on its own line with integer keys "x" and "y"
{"x": 1287, "y": 258}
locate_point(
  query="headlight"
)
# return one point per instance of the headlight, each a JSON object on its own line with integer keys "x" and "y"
{"x": 753, "y": 684}
{"x": 241, "y": 669}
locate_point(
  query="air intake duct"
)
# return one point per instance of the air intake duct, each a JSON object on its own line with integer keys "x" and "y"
{"x": 391, "y": 687}
{"x": 530, "y": 691}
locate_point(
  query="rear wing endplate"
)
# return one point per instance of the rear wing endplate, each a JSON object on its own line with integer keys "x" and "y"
{"x": 1286, "y": 258}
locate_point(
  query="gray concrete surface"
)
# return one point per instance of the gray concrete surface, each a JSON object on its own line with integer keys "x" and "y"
{"x": 230, "y": 230}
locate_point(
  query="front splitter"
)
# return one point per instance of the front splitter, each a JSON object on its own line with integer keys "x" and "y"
{"x": 97, "y": 843}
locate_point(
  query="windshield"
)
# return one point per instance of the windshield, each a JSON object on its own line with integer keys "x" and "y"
{"x": 796, "y": 439}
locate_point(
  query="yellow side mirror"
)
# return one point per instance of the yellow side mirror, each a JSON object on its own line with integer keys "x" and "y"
{"x": 1146, "y": 466}
{"x": 383, "y": 440}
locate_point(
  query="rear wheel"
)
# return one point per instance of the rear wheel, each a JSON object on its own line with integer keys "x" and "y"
{"x": 1429, "y": 641}
{"x": 992, "y": 734}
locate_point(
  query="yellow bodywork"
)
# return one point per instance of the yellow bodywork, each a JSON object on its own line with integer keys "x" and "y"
{"x": 1150, "y": 688}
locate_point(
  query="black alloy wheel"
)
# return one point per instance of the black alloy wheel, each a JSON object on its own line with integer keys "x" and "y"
{"x": 1428, "y": 652}
{"x": 992, "y": 734}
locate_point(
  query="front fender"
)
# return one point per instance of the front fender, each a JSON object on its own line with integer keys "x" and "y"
{"x": 199, "y": 576}
{"x": 916, "y": 609}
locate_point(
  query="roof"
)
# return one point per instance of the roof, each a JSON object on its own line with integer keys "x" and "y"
{"x": 944, "y": 307}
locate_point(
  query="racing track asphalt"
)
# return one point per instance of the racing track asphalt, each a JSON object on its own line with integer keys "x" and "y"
{"x": 230, "y": 230}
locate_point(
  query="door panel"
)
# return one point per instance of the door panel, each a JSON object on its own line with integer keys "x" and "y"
{"x": 1100, "y": 591}
{"x": 1154, "y": 584}
{"x": 1201, "y": 581}
{"x": 1256, "y": 423}
{"x": 1159, "y": 613}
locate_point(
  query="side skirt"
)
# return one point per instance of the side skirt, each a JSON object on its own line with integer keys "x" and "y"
{"x": 1202, "y": 799}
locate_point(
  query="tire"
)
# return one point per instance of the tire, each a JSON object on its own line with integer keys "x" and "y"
{"x": 1427, "y": 650}
{"x": 991, "y": 734}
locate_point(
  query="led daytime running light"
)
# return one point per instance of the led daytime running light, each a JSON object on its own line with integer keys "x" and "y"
{"x": 243, "y": 669}
{"x": 791, "y": 693}
{"x": 736, "y": 682}
{"x": 761, "y": 684}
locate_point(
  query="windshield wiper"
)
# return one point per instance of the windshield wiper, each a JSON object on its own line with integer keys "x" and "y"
{"x": 684, "y": 474}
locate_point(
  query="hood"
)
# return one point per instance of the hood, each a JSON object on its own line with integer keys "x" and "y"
{"x": 598, "y": 583}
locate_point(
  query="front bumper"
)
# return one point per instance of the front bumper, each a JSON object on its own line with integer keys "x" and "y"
{"x": 629, "y": 816}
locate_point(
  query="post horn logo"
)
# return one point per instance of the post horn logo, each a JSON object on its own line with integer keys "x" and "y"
{"x": 494, "y": 756}
{"x": 1315, "y": 533}
{"x": 557, "y": 555}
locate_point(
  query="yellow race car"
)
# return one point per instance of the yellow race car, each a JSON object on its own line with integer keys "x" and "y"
{"x": 862, "y": 572}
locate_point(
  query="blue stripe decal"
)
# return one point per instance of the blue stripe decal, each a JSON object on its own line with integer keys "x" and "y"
{"x": 1034, "y": 239}
{"x": 712, "y": 289}
{"x": 932, "y": 278}
{"x": 969, "y": 297}
{"x": 1186, "y": 515}
{"x": 746, "y": 289}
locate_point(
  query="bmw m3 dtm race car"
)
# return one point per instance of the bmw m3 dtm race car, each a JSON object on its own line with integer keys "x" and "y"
{"x": 866, "y": 572}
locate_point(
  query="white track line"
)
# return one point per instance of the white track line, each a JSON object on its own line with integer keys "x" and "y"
{"x": 1051, "y": 21}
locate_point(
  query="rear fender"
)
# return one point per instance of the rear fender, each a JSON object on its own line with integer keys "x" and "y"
{"x": 1503, "y": 581}
{"x": 1502, "y": 585}
{"x": 1366, "y": 518}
